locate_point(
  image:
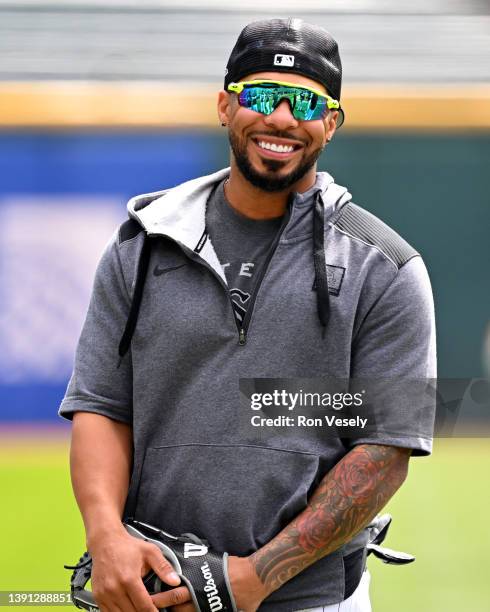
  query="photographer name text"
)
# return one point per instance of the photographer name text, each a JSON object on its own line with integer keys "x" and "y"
{"x": 301, "y": 420}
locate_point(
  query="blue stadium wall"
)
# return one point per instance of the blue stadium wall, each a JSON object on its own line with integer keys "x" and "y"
{"x": 63, "y": 193}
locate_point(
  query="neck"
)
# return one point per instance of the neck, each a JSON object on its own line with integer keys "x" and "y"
{"x": 255, "y": 203}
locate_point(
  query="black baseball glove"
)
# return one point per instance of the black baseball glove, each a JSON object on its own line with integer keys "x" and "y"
{"x": 203, "y": 571}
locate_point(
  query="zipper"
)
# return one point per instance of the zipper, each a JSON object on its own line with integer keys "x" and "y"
{"x": 243, "y": 327}
{"x": 194, "y": 256}
{"x": 242, "y": 338}
{"x": 243, "y": 330}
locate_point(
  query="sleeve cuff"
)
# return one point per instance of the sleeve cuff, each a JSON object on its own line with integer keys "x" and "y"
{"x": 71, "y": 405}
{"x": 421, "y": 447}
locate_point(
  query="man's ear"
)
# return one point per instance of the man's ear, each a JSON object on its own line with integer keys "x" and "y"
{"x": 330, "y": 125}
{"x": 224, "y": 107}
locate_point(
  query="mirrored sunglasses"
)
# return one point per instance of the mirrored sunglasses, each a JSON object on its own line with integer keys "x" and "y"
{"x": 307, "y": 104}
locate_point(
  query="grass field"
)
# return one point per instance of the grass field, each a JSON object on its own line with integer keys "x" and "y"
{"x": 441, "y": 516}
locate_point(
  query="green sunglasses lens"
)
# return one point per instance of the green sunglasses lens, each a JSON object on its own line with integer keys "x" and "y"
{"x": 305, "y": 105}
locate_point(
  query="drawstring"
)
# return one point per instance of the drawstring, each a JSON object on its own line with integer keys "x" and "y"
{"x": 144, "y": 260}
{"x": 321, "y": 281}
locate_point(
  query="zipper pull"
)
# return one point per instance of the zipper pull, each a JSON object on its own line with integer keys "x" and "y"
{"x": 242, "y": 338}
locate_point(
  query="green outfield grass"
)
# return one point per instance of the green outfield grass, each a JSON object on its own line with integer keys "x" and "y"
{"x": 441, "y": 515}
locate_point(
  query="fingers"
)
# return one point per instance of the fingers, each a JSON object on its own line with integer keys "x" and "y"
{"x": 109, "y": 608}
{"x": 175, "y": 597}
{"x": 140, "y": 598}
{"x": 161, "y": 566}
{"x": 115, "y": 605}
{"x": 187, "y": 607}
{"x": 126, "y": 595}
{"x": 118, "y": 587}
{"x": 140, "y": 602}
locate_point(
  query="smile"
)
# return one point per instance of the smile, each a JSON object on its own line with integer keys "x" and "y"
{"x": 276, "y": 148}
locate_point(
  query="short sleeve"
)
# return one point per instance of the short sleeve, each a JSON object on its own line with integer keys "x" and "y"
{"x": 99, "y": 384}
{"x": 395, "y": 353}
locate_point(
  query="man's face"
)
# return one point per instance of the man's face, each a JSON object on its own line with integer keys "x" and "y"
{"x": 252, "y": 134}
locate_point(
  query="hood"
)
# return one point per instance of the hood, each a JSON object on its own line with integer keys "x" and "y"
{"x": 180, "y": 213}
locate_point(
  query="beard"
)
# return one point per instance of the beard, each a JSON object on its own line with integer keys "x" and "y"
{"x": 270, "y": 180}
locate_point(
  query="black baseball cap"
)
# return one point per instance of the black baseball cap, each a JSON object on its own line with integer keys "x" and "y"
{"x": 287, "y": 45}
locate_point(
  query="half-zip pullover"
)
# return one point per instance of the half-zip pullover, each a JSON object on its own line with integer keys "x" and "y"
{"x": 342, "y": 295}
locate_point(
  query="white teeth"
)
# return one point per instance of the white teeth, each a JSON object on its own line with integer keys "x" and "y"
{"x": 277, "y": 148}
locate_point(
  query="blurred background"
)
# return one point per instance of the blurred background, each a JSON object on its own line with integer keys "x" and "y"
{"x": 101, "y": 100}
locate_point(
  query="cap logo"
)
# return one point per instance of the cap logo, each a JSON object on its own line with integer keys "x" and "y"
{"x": 283, "y": 60}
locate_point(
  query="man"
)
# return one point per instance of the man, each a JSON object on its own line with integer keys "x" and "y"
{"x": 266, "y": 270}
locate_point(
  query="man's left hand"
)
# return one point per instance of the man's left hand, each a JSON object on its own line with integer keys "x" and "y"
{"x": 248, "y": 590}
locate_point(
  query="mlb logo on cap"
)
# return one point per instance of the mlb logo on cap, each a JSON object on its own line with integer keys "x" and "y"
{"x": 283, "y": 60}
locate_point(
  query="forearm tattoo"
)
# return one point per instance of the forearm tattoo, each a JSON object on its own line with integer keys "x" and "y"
{"x": 346, "y": 500}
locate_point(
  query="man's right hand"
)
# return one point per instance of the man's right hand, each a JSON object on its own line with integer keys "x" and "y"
{"x": 100, "y": 480}
{"x": 119, "y": 562}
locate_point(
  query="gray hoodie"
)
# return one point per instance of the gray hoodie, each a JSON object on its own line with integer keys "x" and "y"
{"x": 197, "y": 466}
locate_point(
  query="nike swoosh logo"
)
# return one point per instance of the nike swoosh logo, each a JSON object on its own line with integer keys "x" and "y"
{"x": 158, "y": 271}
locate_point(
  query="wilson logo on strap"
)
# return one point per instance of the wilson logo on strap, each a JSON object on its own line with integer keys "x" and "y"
{"x": 194, "y": 550}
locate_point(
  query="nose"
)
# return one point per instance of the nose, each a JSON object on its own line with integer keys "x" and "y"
{"x": 281, "y": 118}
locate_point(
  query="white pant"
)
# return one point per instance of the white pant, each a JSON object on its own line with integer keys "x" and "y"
{"x": 357, "y": 602}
